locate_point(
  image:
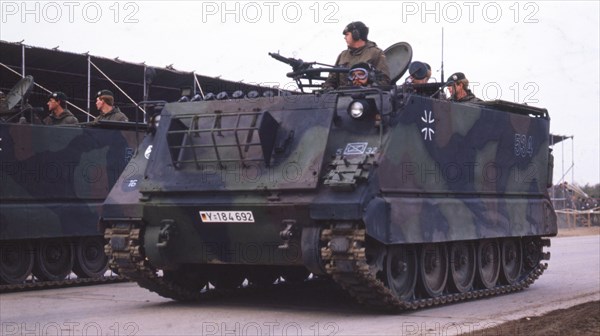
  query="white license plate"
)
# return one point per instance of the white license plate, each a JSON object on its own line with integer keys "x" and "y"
{"x": 227, "y": 216}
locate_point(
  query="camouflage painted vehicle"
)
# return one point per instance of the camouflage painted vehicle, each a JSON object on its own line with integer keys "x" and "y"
{"x": 53, "y": 181}
{"x": 403, "y": 199}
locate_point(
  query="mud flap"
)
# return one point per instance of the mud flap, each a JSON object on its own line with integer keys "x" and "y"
{"x": 377, "y": 219}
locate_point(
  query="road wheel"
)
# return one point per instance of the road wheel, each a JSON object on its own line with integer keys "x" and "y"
{"x": 433, "y": 269}
{"x": 462, "y": 266}
{"x": 488, "y": 263}
{"x": 512, "y": 260}
{"x": 16, "y": 262}
{"x": 401, "y": 271}
{"x": 90, "y": 260}
{"x": 53, "y": 260}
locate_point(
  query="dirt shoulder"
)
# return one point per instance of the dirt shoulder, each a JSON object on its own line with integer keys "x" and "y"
{"x": 581, "y": 320}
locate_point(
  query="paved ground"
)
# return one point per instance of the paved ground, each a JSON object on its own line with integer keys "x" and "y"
{"x": 579, "y": 231}
{"x": 125, "y": 309}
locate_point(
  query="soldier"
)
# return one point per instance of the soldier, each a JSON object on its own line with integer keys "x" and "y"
{"x": 362, "y": 74}
{"x": 104, "y": 103}
{"x": 360, "y": 49}
{"x": 458, "y": 85}
{"x": 59, "y": 113}
{"x": 420, "y": 72}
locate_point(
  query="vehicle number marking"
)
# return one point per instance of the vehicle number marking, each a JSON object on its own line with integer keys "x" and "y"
{"x": 227, "y": 216}
{"x": 523, "y": 145}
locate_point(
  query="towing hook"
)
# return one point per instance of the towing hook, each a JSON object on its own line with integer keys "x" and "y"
{"x": 168, "y": 230}
{"x": 287, "y": 233}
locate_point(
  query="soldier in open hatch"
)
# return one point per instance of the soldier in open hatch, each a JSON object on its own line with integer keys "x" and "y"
{"x": 59, "y": 113}
{"x": 419, "y": 72}
{"x": 360, "y": 49}
{"x": 104, "y": 103}
{"x": 362, "y": 74}
{"x": 458, "y": 85}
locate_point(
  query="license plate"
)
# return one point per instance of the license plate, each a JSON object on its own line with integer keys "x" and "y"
{"x": 227, "y": 216}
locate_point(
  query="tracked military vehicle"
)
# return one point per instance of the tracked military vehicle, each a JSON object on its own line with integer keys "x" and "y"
{"x": 403, "y": 199}
{"x": 53, "y": 181}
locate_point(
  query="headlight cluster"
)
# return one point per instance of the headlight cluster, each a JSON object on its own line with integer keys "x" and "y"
{"x": 357, "y": 109}
{"x": 153, "y": 123}
{"x": 362, "y": 108}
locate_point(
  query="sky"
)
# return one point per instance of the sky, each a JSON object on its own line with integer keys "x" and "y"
{"x": 543, "y": 53}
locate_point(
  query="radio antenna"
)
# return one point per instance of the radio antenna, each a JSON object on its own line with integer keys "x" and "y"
{"x": 442, "y": 69}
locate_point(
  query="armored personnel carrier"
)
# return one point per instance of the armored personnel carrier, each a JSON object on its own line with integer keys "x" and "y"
{"x": 404, "y": 199}
{"x": 53, "y": 181}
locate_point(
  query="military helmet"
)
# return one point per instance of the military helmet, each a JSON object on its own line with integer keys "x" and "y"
{"x": 368, "y": 70}
{"x": 455, "y": 77}
{"x": 419, "y": 70}
{"x": 105, "y": 93}
{"x": 58, "y": 96}
{"x": 358, "y": 30}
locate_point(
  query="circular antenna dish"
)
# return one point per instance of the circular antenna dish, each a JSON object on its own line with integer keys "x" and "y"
{"x": 19, "y": 92}
{"x": 398, "y": 58}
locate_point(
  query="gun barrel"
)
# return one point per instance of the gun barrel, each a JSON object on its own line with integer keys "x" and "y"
{"x": 281, "y": 58}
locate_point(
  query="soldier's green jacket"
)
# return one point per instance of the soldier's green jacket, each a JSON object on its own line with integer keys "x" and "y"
{"x": 114, "y": 115}
{"x": 371, "y": 54}
{"x": 65, "y": 118}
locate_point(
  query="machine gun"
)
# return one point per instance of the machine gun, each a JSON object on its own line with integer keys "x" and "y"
{"x": 305, "y": 75}
{"x": 297, "y": 64}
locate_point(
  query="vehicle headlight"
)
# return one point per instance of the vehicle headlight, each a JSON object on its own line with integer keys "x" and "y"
{"x": 153, "y": 123}
{"x": 356, "y": 109}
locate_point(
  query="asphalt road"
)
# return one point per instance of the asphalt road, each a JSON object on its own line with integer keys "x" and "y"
{"x": 573, "y": 277}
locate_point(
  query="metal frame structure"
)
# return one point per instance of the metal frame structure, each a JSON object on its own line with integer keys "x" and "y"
{"x": 81, "y": 75}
